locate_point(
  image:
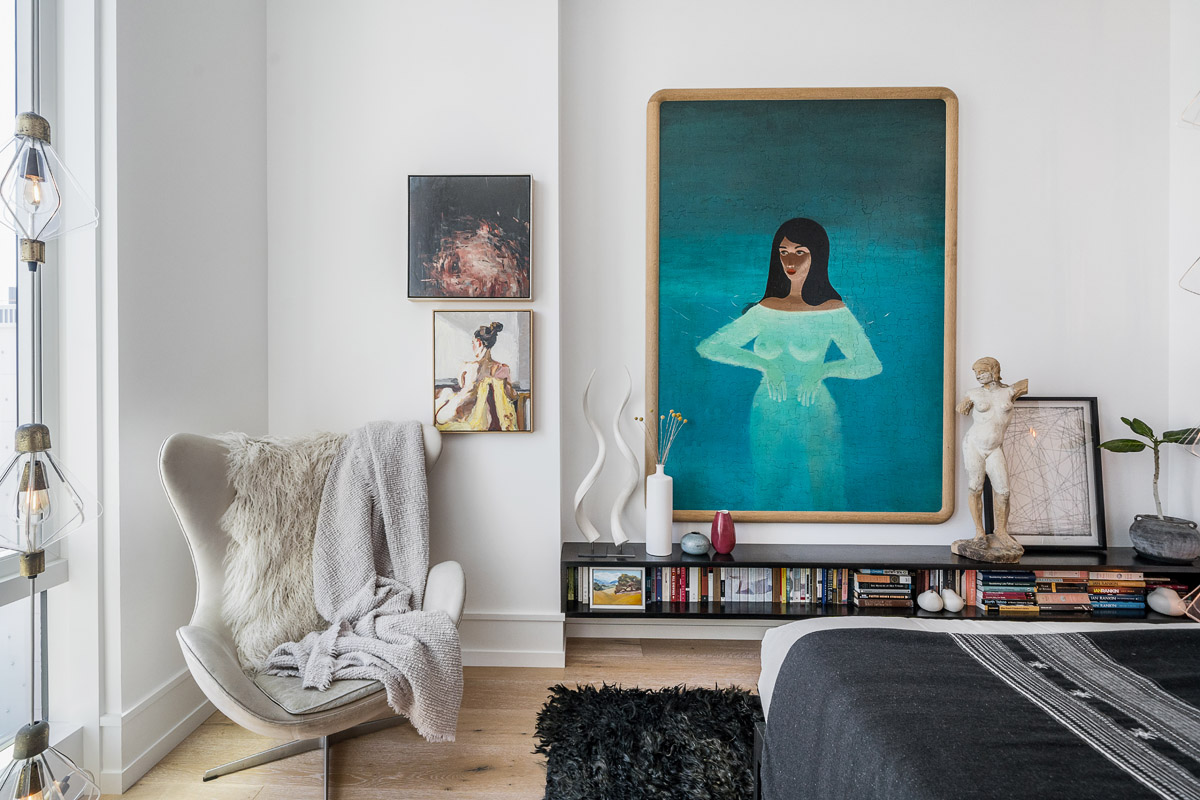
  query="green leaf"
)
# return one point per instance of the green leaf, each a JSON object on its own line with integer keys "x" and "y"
{"x": 1182, "y": 436}
{"x": 1123, "y": 446}
{"x": 1139, "y": 427}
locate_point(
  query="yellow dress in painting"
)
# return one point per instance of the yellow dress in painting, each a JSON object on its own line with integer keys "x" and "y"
{"x": 491, "y": 409}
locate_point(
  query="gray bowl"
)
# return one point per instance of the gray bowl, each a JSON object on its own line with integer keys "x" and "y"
{"x": 1170, "y": 540}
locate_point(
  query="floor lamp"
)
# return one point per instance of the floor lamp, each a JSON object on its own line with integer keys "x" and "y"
{"x": 40, "y": 200}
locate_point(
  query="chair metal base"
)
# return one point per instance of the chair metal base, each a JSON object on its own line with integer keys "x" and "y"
{"x": 303, "y": 746}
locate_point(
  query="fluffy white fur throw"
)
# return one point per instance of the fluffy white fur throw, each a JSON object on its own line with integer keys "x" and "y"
{"x": 272, "y": 524}
{"x": 371, "y": 561}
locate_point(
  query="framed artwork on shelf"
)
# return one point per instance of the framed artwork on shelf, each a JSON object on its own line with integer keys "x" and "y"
{"x": 1056, "y": 489}
{"x": 470, "y": 237}
{"x": 801, "y": 294}
{"x": 483, "y": 371}
{"x": 620, "y": 589}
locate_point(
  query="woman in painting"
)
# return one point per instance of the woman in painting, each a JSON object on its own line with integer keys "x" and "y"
{"x": 795, "y": 428}
{"x": 486, "y": 399}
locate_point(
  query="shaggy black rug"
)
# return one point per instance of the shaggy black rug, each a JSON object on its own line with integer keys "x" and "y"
{"x": 611, "y": 743}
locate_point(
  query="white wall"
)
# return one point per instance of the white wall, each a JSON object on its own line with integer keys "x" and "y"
{"x": 394, "y": 89}
{"x": 1183, "y": 477}
{"x": 1062, "y": 192}
{"x": 183, "y": 137}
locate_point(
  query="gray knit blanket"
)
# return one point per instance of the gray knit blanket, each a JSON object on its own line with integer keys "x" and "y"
{"x": 370, "y": 560}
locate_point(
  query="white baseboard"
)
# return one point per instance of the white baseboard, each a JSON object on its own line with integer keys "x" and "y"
{"x": 512, "y": 640}
{"x": 139, "y": 738}
{"x": 670, "y": 629}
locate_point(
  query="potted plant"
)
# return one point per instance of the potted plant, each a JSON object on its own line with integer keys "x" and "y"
{"x": 1159, "y": 538}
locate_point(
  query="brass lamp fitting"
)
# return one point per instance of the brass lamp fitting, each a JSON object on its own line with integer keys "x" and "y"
{"x": 33, "y": 126}
{"x": 32, "y": 740}
{"x": 33, "y": 437}
{"x": 33, "y": 251}
{"x": 33, "y": 564}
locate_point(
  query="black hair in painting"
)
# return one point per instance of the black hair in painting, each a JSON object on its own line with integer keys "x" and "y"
{"x": 817, "y": 289}
{"x": 487, "y": 334}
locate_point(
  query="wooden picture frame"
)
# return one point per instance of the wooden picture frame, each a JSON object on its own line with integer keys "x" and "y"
{"x": 470, "y": 237}
{"x": 709, "y": 151}
{"x": 1055, "y": 476}
{"x": 613, "y": 599}
{"x": 499, "y": 398}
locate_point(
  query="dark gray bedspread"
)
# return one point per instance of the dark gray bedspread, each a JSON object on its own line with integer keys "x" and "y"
{"x": 877, "y": 713}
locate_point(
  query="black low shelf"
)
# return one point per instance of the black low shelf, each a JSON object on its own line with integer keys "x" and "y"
{"x": 915, "y": 557}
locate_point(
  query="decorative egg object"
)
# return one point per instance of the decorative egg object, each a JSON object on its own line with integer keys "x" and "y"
{"x": 695, "y": 543}
{"x": 1166, "y": 601}
{"x": 930, "y": 601}
{"x": 951, "y": 601}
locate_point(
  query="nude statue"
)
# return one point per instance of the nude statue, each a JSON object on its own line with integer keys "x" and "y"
{"x": 991, "y": 408}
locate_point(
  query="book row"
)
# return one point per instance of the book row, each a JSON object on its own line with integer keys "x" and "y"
{"x": 995, "y": 591}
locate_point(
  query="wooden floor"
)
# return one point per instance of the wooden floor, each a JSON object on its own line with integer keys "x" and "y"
{"x": 493, "y": 755}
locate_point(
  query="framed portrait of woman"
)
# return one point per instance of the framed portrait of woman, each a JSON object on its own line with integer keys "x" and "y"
{"x": 801, "y": 300}
{"x": 483, "y": 371}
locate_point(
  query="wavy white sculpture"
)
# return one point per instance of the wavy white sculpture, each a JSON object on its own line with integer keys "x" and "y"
{"x": 585, "y": 525}
{"x": 618, "y": 529}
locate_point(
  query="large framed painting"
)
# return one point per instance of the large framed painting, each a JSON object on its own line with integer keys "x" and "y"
{"x": 801, "y": 300}
{"x": 469, "y": 236}
{"x": 483, "y": 371}
{"x": 1056, "y": 487}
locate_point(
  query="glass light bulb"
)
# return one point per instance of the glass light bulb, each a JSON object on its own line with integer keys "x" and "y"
{"x": 33, "y": 497}
{"x": 35, "y": 504}
{"x": 32, "y": 193}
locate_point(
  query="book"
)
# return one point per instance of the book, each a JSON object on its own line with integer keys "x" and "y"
{"x": 1115, "y": 604}
{"x": 1014, "y": 610}
{"x": 1116, "y": 576}
{"x": 859, "y": 577}
{"x": 1064, "y": 607}
{"x": 882, "y": 602}
{"x": 1139, "y": 584}
{"x": 1009, "y": 595}
{"x": 869, "y": 590}
{"x": 1062, "y": 574}
{"x": 1062, "y": 598}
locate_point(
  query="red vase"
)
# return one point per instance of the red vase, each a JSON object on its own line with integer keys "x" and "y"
{"x": 723, "y": 538}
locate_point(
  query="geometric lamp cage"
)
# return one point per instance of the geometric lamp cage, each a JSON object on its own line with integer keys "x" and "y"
{"x": 39, "y": 772}
{"x": 39, "y": 497}
{"x": 39, "y": 197}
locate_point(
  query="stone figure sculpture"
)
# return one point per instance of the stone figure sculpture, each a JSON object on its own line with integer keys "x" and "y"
{"x": 991, "y": 408}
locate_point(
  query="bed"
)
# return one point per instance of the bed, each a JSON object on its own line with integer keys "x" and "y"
{"x": 909, "y": 709}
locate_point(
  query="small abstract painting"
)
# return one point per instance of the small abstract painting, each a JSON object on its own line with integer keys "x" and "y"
{"x": 469, "y": 236}
{"x": 1054, "y": 478}
{"x": 483, "y": 371}
{"x": 800, "y": 300}
{"x": 619, "y": 589}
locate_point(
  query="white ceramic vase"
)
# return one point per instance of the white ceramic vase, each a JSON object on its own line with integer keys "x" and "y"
{"x": 659, "y": 509}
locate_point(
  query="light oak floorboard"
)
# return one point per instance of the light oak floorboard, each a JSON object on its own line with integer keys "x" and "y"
{"x": 492, "y": 756}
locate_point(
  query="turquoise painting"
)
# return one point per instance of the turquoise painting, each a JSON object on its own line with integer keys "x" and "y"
{"x": 802, "y": 303}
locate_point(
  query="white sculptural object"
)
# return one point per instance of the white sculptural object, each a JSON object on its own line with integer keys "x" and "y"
{"x": 930, "y": 600}
{"x": 589, "y": 530}
{"x": 951, "y": 601}
{"x": 991, "y": 408}
{"x": 1166, "y": 601}
{"x": 618, "y": 529}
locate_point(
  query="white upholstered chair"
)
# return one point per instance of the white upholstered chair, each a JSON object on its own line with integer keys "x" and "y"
{"x": 193, "y": 471}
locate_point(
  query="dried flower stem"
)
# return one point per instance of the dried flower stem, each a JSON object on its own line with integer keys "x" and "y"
{"x": 660, "y": 437}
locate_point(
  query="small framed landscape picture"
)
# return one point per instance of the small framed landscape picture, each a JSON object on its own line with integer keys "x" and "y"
{"x": 469, "y": 236}
{"x": 483, "y": 371}
{"x": 621, "y": 589}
